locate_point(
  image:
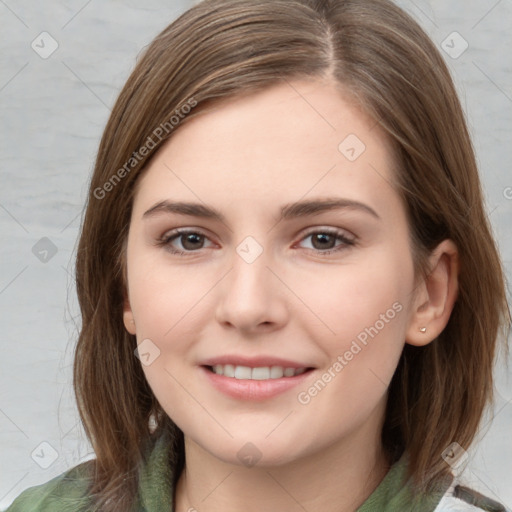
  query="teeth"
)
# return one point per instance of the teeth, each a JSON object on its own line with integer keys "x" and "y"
{"x": 276, "y": 372}
{"x": 259, "y": 373}
{"x": 243, "y": 372}
{"x": 289, "y": 372}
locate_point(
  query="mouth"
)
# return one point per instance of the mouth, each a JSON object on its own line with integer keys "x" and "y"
{"x": 254, "y": 383}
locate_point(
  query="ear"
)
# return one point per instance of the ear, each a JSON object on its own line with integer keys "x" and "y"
{"x": 435, "y": 296}
{"x": 128, "y": 319}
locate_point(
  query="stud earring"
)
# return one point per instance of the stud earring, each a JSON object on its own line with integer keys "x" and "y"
{"x": 423, "y": 329}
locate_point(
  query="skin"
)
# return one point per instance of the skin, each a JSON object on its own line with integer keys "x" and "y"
{"x": 247, "y": 158}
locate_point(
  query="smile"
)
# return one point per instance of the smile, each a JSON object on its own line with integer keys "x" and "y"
{"x": 254, "y": 383}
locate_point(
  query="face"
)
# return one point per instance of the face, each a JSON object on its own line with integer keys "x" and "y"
{"x": 262, "y": 320}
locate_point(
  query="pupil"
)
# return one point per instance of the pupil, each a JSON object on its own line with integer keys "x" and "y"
{"x": 323, "y": 237}
{"x": 190, "y": 238}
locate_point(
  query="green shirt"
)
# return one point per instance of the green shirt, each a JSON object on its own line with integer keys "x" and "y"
{"x": 68, "y": 491}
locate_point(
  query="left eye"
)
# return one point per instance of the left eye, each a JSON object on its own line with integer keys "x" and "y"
{"x": 323, "y": 240}
{"x": 191, "y": 241}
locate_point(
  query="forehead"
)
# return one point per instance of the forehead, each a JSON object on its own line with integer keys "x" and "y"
{"x": 279, "y": 144}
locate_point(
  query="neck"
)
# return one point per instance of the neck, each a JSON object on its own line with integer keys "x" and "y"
{"x": 337, "y": 479}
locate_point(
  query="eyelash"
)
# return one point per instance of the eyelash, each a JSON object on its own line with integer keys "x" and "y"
{"x": 166, "y": 240}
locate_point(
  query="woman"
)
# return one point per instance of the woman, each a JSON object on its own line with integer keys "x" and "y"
{"x": 290, "y": 292}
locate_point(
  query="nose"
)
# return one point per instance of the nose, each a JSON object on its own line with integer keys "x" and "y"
{"x": 252, "y": 298}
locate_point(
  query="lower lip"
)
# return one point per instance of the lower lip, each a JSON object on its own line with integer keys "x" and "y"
{"x": 255, "y": 390}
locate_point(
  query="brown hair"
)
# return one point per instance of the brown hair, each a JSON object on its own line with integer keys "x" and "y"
{"x": 222, "y": 48}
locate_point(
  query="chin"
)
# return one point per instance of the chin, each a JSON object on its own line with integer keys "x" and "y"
{"x": 249, "y": 451}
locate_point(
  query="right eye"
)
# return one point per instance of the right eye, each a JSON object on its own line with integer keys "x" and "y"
{"x": 190, "y": 241}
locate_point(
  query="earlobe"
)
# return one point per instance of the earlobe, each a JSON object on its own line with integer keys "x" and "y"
{"x": 435, "y": 303}
{"x": 128, "y": 320}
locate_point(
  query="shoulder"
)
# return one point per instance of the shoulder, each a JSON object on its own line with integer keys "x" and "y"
{"x": 463, "y": 499}
{"x": 65, "y": 492}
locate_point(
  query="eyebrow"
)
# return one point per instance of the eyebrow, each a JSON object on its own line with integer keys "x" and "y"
{"x": 288, "y": 211}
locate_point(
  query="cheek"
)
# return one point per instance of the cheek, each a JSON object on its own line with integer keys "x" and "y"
{"x": 364, "y": 321}
{"x": 370, "y": 294}
{"x": 169, "y": 304}
{"x": 366, "y": 317}
{"x": 166, "y": 299}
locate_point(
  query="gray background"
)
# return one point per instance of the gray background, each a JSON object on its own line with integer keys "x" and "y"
{"x": 53, "y": 112}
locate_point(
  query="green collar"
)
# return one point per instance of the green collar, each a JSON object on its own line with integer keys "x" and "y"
{"x": 155, "y": 485}
{"x": 392, "y": 495}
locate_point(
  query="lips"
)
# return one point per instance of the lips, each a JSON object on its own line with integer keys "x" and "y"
{"x": 256, "y": 378}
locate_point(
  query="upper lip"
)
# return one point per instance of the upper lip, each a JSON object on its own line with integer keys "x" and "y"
{"x": 253, "y": 362}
